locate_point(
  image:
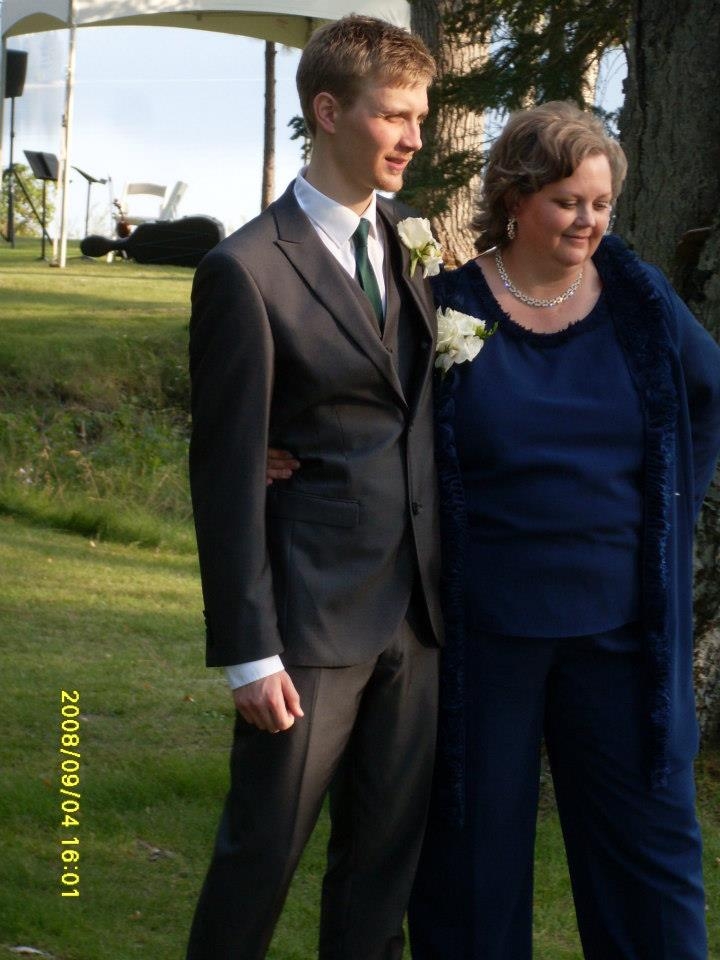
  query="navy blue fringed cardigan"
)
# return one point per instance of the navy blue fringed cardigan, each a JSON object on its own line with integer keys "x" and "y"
{"x": 675, "y": 365}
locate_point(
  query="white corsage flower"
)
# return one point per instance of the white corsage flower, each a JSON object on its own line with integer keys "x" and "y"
{"x": 417, "y": 236}
{"x": 460, "y": 338}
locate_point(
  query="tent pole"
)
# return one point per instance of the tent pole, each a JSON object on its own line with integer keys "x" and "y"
{"x": 3, "y": 59}
{"x": 67, "y": 130}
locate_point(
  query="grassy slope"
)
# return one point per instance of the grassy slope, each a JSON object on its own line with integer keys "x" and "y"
{"x": 93, "y": 397}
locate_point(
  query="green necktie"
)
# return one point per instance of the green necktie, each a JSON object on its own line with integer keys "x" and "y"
{"x": 365, "y": 273}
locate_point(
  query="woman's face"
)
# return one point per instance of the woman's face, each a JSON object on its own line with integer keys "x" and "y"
{"x": 565, "y": 221}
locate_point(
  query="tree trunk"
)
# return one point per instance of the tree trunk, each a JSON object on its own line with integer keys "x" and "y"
{"x": 268, "y": 177}
{"x": 700, "y": 285}
{"x": 452, "y": 137}
{"x": 670, "y": 128}
{"x": 590, "y": 80}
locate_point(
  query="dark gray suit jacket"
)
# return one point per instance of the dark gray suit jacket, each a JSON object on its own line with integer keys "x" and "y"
{"x": 285, "y": 350}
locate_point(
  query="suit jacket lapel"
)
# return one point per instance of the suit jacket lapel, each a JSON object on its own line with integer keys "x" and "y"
{"x": 418, "y": 287}
{"x": 329, "y": 282}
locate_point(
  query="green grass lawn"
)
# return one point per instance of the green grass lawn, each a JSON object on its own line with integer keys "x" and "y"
{"x": 120, "y": 625}
{"x": 100, "y": 595}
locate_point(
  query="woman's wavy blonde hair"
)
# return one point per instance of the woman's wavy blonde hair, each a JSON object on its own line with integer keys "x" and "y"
{"x": 536, "y": 147}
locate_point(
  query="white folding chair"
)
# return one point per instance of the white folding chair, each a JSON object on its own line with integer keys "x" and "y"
{"x": 169, "y": 208}
{"x": 139, "y": 202}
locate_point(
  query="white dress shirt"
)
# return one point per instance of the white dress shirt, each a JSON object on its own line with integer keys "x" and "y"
{"x": 335, "y": 225}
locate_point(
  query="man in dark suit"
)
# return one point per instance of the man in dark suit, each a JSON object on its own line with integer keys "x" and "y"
{"x": 309, "y": 333}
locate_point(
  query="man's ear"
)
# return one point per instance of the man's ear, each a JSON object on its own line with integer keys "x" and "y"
{"x": 326, "y": 107}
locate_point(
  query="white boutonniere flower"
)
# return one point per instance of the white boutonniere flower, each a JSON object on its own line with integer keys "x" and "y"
{"x": 460, "y": 337}
{"x": 417, "y": 236}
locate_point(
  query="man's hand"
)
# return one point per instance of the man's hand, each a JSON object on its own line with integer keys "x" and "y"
{"x": 271, "y": 703}
{"x": 280, "y": 465}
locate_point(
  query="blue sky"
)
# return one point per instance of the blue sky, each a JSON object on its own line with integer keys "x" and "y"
{"x": 159, "y": 104}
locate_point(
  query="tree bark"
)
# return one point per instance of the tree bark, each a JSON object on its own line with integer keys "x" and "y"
{"x": 590, "y": 79}
{"x": 670, "y": 128}
{"x": 701, "y": 288}
{"x": 268, "y": 176}
{"x": 452, "y": 136}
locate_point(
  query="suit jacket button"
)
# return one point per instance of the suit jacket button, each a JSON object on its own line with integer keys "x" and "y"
{"x": 416, "y": 507}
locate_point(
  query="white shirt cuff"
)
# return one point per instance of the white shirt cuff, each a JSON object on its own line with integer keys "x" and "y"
{"x": 240, "y": 674}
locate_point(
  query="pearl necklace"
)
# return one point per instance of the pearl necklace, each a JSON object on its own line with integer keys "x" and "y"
{"x": 535, "y": 301}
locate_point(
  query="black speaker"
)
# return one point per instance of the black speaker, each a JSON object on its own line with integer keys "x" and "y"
{"x": 15, "y": 70}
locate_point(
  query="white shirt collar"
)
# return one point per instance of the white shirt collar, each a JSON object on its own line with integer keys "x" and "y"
{"x": 339, "y": 223}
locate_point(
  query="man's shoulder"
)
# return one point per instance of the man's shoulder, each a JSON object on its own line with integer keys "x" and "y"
{"x": 251, "y": 242}
{"x": 395, "y": 210}
{"x": 262, "y": 229}
{"x": 258, "y": 230}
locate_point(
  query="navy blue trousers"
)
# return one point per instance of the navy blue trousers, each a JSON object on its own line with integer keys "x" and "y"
{"x": 634, "y": 854}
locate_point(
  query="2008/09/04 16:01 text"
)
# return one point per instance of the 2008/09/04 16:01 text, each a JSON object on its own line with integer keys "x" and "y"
{"x": 70, "y": 792}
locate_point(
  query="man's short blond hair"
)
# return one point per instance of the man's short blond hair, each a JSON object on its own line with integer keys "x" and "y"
{"x": 342, "y": 56}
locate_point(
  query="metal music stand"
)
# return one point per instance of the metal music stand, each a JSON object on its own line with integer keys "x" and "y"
{"x": 44, "y": 167}
{"x": 90, "y": 182}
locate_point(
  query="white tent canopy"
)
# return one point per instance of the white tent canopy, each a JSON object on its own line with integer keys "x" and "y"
{"x": 284, "y": 21}
{"x": 288, "y": 22}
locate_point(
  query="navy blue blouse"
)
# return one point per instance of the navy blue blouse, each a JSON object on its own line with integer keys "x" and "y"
{"x": 549, "y": 432}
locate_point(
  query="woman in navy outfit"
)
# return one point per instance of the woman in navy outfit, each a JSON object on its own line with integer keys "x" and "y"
{"x": 574, "y": 453}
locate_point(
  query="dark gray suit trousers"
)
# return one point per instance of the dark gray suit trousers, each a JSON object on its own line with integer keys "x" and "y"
{"x": 367, "y": 737}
